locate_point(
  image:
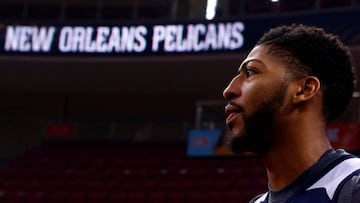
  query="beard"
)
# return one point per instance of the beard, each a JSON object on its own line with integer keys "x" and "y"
{"x": 253, "y": 137}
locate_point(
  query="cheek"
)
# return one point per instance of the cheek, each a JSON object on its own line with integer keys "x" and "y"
{"x": 254, "y": 95}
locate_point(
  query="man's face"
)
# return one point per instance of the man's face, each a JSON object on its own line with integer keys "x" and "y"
{"x": 255, "y": 95}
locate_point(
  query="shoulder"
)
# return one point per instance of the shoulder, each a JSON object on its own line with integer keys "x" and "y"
{"x": 259, "y": 198}
{"x": 350, "y": 191}
{"x": 340, "y": 182}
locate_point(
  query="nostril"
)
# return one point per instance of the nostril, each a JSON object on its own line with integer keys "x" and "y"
{"x": 230, "y": 96}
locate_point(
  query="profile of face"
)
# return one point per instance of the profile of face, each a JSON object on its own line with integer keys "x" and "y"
{"x": 256, "y": 97}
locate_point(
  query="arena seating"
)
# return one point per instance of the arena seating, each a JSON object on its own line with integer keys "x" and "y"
{"x": 83, "y": 173}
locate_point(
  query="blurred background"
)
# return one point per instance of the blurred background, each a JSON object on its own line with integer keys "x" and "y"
{"x": 121, "y": 101}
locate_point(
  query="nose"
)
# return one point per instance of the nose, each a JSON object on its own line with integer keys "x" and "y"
{"x": 233, "y": 90}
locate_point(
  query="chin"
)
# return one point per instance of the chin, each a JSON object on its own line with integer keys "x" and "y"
{"x": 241, "y": 143}
{"x": 236, "y": 134}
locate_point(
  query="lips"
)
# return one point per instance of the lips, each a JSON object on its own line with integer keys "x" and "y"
{"x": 231, "y": 116}
{"x": 231, "y": 112}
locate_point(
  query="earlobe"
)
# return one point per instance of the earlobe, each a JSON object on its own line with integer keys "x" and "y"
{"x": 307, "y": 89}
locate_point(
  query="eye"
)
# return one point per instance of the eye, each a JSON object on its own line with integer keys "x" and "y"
{"x": 249, "y": 72}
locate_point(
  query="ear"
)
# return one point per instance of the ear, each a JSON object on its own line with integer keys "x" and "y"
{"x": 307, "y": 88}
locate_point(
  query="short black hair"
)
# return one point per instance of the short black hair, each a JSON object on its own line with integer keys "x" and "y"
{"x": 308, "y": 50}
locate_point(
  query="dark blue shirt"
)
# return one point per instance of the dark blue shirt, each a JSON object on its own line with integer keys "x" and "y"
{"x": 335, "y": 177}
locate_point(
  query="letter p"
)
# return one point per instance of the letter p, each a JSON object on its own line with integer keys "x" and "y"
{"x": 158, "y": 36}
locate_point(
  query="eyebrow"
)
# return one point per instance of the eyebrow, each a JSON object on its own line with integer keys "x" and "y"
{"x": 245, "y": 62}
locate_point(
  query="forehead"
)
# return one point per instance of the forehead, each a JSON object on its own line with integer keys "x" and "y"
{"x": 260, "y": 54}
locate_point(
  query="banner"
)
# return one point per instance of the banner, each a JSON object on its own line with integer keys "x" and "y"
{"x": 122, "y": 39}
{"x": 166, "y": 38}
{"x": 202, "y": 142}
{"x": 209, "y": 143}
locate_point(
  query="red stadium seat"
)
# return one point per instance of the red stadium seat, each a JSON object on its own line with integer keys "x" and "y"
{"x": 215, "y": 196}
{"x": 156, "y": 197}
{"x": 136, "y": 197}
{"x": 36, "y": 197}
{"x": 77, "y": 197}
{"x": 116, "y": 197}
{"x": 56, "y": 197}
{"x": 16, "y": 196}
{"x": 96, "y": 197}
{"x": 175, "y": 197}
{"x": 195, "y": 196}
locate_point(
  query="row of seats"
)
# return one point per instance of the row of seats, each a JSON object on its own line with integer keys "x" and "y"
{"x": 231, "y": 196}
{"x": 150, "y": 173}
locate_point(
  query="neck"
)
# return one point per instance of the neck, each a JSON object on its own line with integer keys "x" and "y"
{"x": 305, "y": 143}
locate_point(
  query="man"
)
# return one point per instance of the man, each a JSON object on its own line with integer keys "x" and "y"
{"x": 290, "y": 86}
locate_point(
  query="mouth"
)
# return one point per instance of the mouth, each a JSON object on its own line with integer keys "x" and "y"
{"x": 232, "y": 111}
{"x": 231, "y": 117}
